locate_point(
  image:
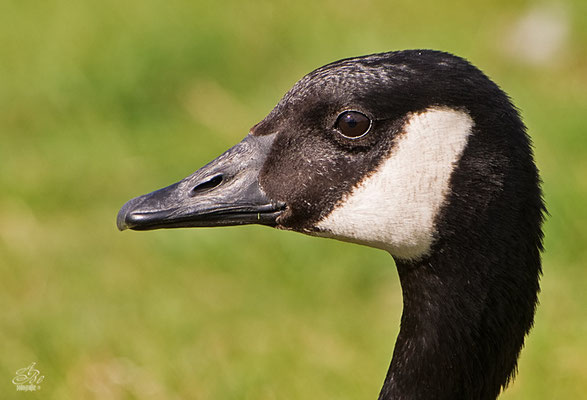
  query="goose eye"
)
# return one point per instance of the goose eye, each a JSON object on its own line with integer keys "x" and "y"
{"x": 353, "y": 124}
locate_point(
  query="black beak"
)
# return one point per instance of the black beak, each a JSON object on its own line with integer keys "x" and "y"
{"x": 224, "y": 192}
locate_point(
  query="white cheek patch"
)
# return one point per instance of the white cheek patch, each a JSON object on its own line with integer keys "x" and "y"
{"x": 395, "y": 207}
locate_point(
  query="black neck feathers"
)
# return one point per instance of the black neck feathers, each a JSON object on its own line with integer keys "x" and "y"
{"x": 469, "y": 304}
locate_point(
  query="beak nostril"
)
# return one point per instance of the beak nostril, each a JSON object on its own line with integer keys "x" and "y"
{"x": 207, "y": 185}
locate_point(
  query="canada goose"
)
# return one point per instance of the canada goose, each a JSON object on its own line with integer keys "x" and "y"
{"x": 415, "y": 152}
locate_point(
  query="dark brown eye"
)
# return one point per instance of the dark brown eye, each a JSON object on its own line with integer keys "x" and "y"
{"x": 353, "y": 124}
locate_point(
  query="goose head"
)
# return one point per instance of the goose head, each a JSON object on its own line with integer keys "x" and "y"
{"x": 414, "y": 152}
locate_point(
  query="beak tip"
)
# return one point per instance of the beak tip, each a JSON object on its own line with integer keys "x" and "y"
{"x": 120, "y": 223}
{"x": 122, "y": 217}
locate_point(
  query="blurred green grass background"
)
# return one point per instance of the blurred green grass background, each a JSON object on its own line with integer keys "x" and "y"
{"x": 103, "y": 101}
